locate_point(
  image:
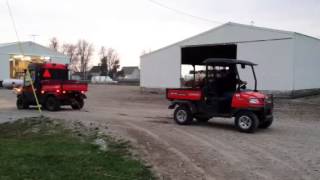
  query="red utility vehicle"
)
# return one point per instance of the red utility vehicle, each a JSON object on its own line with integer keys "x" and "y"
{"x": 223, "y": 94}
{"x": 53, "y": 88}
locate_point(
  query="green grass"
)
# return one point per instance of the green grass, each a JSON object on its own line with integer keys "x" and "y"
{"x": 40, "y": 149}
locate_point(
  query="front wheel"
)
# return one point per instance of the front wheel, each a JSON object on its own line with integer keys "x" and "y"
{"x": 247, "y": 121}
{"x": 183, "y": 115}
{"x": 52, "y": 104}
{"x": 77, "y": 104}
{"x": 21, "y": 104}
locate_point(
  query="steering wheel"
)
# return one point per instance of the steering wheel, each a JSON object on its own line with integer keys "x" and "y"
{"x": 242, "y": 84}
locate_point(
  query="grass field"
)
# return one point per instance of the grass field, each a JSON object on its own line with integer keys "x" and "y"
{"x": 39, "y": 148}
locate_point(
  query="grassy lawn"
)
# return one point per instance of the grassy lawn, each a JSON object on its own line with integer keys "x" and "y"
{"x": 39, "y": 148}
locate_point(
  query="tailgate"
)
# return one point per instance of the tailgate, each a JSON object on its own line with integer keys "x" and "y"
{"x": 184, "y": 94}
{"x": 75, "y": 86}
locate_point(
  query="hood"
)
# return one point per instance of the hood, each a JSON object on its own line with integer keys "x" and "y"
{"x": 252, "y": 94}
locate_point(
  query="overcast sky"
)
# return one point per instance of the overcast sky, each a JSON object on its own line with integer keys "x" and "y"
{"x": 130, "y": 26}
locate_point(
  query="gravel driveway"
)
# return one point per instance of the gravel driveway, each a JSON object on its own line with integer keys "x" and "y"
{"x": 290, "y": 149}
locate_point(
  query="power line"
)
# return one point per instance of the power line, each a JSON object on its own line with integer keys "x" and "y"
{"x": 14, "y": 26}
{"x": 184, "y": 13}
{"x": 21, "y": 50}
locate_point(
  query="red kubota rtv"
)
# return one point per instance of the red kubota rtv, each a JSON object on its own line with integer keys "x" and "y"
{"x": 53, "y": 88}
{"x": 223, "y": 94}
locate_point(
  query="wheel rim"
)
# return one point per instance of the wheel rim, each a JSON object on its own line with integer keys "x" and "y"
{"x": 245, "y": 122}
{"x": 181, "y": 115}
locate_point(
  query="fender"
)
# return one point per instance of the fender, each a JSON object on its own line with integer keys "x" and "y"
{"x": 83, "y": 96}
{"x": 175, "y": 103}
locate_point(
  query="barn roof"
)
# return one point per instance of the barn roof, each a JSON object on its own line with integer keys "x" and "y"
{"x": 284, "y": 32}
{"x": 29, "y": 48}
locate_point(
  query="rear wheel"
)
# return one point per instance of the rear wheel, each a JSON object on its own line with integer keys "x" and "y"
{"x": 246, "y": 121}
{"x": 183, "y": 115}
{"x": 77, "y": 103}
{"x": 21, "y": 104}
{"x": 265, "y": 124}
{"x": 52, "y": 104}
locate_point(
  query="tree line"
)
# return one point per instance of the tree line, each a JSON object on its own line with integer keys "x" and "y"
{"x": 80, "y": 55}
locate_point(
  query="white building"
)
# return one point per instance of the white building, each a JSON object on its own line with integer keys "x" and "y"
{"x": 13, "y": 57}
{"x": 287, "y": 61}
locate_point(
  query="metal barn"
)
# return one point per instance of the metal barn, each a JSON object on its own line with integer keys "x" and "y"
{"x": 288, "y": 62}
{"x": 14, "y": 57}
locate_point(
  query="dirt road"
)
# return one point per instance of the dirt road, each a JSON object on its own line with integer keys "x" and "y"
{"x": 290, "y": 149}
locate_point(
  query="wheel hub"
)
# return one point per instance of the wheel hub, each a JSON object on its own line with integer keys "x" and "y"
{"x": 245, "y": 122}
{"x": 181, "y": 115}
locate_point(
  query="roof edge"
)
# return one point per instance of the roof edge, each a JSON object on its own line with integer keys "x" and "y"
{"x": 57, "y": 54}
{"x": 292, "y": 33}
{"x": 312, "y": 37}
{"x": 203, "y": 33}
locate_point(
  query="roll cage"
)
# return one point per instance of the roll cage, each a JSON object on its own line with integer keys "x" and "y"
{"x": 226, "y": 62}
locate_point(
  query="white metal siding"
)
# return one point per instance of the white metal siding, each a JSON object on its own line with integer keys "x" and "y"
{"x": 274, "y": 59}
{"x": 4, "y": 66}
{"x": 307, "y": 63}
{"x": 162, "y": 69}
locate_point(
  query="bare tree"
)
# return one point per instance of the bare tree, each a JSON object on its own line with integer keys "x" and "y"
{"x": 103, "y": 61}
{"x": 113, "y": 62}
{"x": 71, "y": 51}
{"x": 84, "y": 53}
{"x": 54, "y": 44}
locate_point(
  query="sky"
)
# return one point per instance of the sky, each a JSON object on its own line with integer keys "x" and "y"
{"x": 131, "y": 26}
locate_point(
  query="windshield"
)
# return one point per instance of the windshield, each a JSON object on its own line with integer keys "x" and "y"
{"x": 55, "y": 74}
{"x": 246, "y": 75}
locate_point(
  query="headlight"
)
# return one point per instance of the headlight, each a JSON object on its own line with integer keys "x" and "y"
{"x": 254, "y": 101}
{"x": 17, "y": 90}
{"x": 268, "y": 99}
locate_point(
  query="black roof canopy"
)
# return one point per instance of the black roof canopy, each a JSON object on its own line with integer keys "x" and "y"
{"x": 224, "y": 61}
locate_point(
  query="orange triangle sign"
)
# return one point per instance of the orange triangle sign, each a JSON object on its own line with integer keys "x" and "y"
{"x": 46, "y": 74}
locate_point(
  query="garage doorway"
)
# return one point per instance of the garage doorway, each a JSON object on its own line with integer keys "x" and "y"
{"x": 195, "y": 55}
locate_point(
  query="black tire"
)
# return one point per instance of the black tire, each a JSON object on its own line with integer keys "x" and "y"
{"x": 21, "y": 104}
{"x": 182, "y": 115}
{"x": 52, "y": 104}
{"x": 202, "y": 119}
{"x": 246, "y": 121}
{"x": 77, "y": 104}
{"x": 266, "y": 124}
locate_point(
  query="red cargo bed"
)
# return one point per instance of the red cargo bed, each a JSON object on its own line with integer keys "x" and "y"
{"x": 184, "y": 94}
{"x": 70, "y": 85}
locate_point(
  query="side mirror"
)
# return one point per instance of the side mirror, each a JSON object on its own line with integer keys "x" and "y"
{"x": 243, "y": 66}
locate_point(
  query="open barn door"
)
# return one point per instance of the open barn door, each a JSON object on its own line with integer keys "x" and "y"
{"x": 193, "y": 56}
